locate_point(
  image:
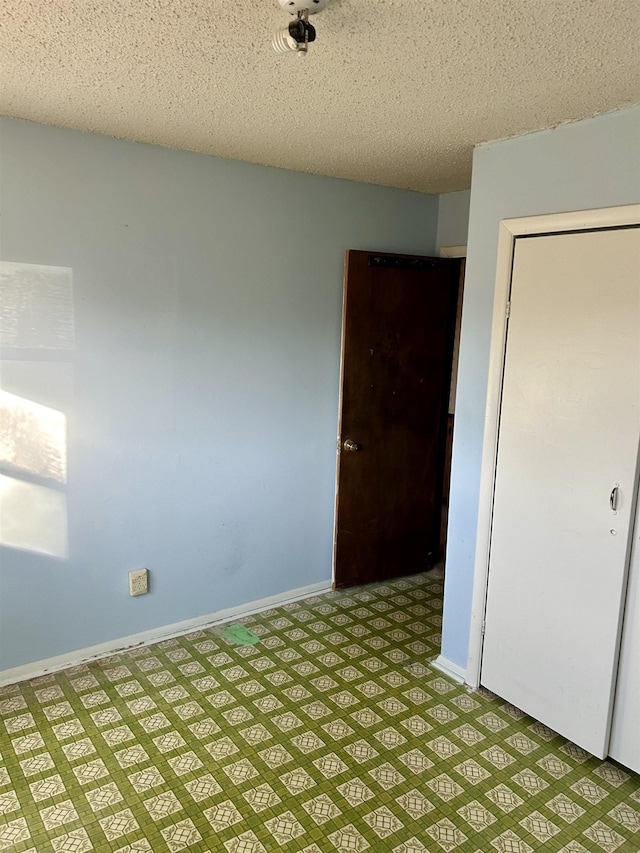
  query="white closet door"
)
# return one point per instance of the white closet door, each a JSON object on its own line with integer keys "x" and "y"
{"x": 625, "y": 729}
{"x": 569, "y": 428}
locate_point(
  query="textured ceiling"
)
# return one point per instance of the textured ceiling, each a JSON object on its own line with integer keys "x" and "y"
{"x": 393, "y": 92}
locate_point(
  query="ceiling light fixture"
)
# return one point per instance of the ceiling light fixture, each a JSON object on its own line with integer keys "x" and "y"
{"x": 297, "y": 35}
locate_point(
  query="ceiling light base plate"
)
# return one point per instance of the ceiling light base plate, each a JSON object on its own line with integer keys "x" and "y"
{"x": 310, "y": 6}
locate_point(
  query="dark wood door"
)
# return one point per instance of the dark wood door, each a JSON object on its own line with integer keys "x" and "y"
{"x": 397, "y": 344}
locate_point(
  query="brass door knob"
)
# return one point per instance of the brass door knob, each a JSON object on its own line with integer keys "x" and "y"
{"x": 348, "y": 444}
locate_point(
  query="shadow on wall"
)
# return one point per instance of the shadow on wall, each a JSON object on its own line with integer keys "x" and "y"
{"x": 36, "y": 341}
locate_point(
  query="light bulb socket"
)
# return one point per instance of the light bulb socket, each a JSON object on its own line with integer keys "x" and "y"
{"x": 294, "y": 37}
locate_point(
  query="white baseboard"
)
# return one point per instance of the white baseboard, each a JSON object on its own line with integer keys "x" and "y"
{"x": 450, "y": 669}
{"x": 165, "y": 632}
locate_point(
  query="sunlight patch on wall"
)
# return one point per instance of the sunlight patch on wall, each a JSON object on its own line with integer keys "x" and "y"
{"x": 33, "y": 437}
{"x": 33, "y": 518}
{"x": 36, "y": 332}
{"x": 37, "y": 306}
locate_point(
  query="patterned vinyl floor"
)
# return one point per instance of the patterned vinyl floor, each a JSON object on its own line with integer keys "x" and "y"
{"x": 330, "y": 734}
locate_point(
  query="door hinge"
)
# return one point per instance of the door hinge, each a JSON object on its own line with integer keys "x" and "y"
{"x": 484, "y": 625}
{"x": 508, "y": 310}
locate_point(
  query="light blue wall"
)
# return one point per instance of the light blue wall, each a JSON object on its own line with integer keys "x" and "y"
{"x": 588, "y": 164}
{"x": 453, "y": 219}
{"x": 201, "y": 395}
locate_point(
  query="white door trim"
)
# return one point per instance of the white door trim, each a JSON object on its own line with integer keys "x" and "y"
{"x": 510, "y": 229}
{"x": 453, "y": 252}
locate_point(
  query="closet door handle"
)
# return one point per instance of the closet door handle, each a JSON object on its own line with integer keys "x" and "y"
{"x": 613, "y": 498}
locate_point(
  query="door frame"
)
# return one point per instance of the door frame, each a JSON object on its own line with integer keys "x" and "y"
{"x": 510, "y": 230}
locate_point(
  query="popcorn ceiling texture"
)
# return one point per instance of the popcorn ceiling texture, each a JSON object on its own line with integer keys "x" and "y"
{"x": 393, "y": 92}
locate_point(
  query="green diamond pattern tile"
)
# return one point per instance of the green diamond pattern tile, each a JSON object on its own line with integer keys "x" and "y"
{"x": 332, "y": 734}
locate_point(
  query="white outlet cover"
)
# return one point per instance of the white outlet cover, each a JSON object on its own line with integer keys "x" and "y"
{"x": 138, "y": 582}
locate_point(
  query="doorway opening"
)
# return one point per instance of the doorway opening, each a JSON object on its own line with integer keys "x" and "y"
{"x": 401, "y": 322}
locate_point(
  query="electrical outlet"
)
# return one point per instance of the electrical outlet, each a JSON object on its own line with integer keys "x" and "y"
{"x": 139, "y": 582}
